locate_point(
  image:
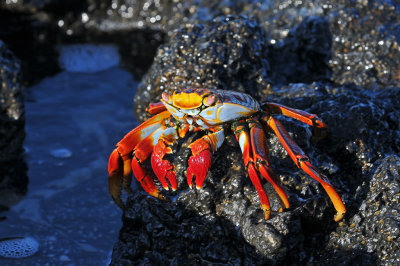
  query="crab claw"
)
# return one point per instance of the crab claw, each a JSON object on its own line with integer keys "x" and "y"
{"x": 116, "y": 172}
{"x": 145, "y": 179}
{"x": 162, "y": 168}
{"x": 200, "y": 161}
{"x": 198, "y": 166}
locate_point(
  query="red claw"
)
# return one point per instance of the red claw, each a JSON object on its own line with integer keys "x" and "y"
{"x": 171, "y": 176}
{"x": 163, "y": 168}
{"x": 198, "y": 165}
{"x": 145, "y": 179}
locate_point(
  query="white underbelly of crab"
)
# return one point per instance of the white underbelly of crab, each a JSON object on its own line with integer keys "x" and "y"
{"x": 225, "y": 113}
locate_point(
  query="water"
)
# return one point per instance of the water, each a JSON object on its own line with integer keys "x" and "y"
{"x": 73, "y": 121}
{"x": 88, "y": 58}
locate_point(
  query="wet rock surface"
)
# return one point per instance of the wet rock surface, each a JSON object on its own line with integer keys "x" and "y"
{"x": 364, "y": 128}
{"x": 375, "y": 228}
{"x": 364, "y": 34}
{"x": 305, "y": 233}
{"x": 159, "y": 232}
{"x": 228, "y": 53}
{"x": 13, "y": 179}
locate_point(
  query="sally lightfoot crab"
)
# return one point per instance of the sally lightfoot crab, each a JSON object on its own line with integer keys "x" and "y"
{"x": 215, "y": 113}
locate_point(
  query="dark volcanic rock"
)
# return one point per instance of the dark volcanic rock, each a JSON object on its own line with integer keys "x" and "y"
{"x": 13, "y": 179}
{"x": 32, "y": 38}
{"x": 303, "y": 56}
{"x": 364, "y": 42}
{"x": 234, "y": 53}
{"x": 169, "y": 234}
{"x": 305, "y": 233}
{"x": 365, "y": 35}
{"x": 227, "y": 53}
{"x": 375, "y": 228}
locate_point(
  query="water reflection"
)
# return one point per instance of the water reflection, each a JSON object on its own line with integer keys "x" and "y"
{"x": 72, "y": 122}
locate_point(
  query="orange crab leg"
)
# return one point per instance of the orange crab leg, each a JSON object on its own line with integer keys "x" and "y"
{"x": 303, "y": 162}
{"x": 242, "y": 137}
{"x": 128, "y": 143}
{"x": 310, "y": 119}
{"x": 119, "y": 164}
{"x": 162, "y": 167}
{"x": 260, "y": 156}
{"x": 200, "y": 161}
{"x": 142, "y": 151}
{"x": 155, "y": 108}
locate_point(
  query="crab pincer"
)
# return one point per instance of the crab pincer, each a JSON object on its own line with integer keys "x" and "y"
{"x": 199, "y": 162}
{"x": 163, "y": 168}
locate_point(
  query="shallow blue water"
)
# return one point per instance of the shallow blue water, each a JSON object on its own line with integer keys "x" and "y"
{"x": 73, "y": 121}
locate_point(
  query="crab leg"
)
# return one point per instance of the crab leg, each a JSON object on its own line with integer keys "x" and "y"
{"x": 242, "y": 137}
{"x": 155, "y": 108}
{"x": 119, "y": 163}
{"x": 260, "y": 158}
{"x": 303, "y": 162}
{"x": 310, "y": 119}
{"x": 116, "y": 173}
{"x": 200, "y": 161}
{"x": 162, "y": 167}
{"x": 141, "y": 152}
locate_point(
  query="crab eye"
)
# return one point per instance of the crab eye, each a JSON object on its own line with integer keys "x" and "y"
{"x": 165, "y": 97}
{"x": 210, "y": 100}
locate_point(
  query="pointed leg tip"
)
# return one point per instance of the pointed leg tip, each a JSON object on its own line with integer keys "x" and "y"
{"x": 267, "y": 211}
{"x": 157, "y": 195}
{"x": 283, "y": 208}
{"x": 189, "y": 177}
{"x": 119, "y": 202}
{"x": 161, "y": 197}
{"x": 267, "y": 214}
{"x": 339, "y": 216}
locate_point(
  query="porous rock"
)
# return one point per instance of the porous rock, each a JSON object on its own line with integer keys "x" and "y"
{"x": 364, "y": 128}
{"x": 13, "y": 179}
{"x": 374, "y": 229}
{"x": 227, "y": 53}
{"x": 170, "y": 234}
{"x": 364, "y": 34}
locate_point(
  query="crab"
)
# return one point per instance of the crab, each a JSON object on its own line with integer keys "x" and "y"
{"x": 215, "y": 113}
